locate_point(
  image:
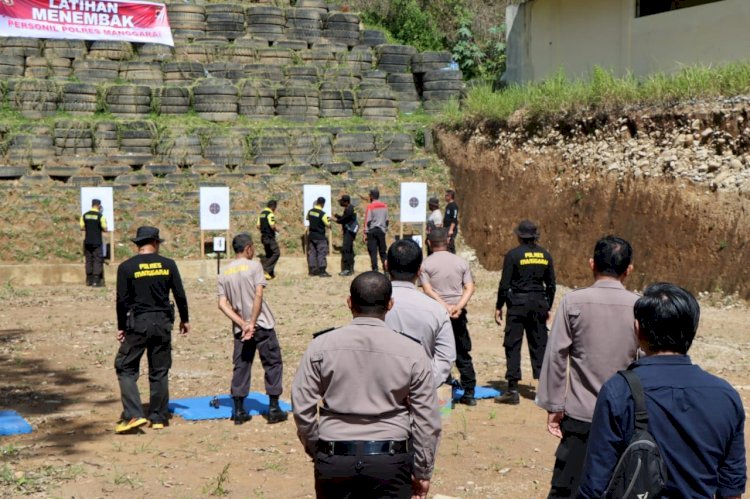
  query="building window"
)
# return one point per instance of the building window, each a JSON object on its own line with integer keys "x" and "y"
{"x": 650, "y": 7}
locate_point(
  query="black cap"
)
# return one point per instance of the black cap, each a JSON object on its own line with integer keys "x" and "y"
{"x": 345, "y": 199}
{"x": 433, "y": 202}
{"x": 146, "y": 233}
{"x": 526, "y": 230}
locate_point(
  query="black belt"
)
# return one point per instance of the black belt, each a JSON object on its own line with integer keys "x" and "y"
{"x": 363, "y": 447}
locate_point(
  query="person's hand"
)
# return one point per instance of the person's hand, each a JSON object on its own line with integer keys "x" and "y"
{"x": 419, "y": 488}
{"x": 120, "y": 335}
{"x": 553, "y": 423}
{"x": 248, "y": 330}
{"x": 184, "y": 328}
{"x": 499, "y": 317}
{"x": 455, "y": 311}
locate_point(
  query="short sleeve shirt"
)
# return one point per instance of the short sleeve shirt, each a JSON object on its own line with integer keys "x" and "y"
{"x": 447, "y": 274}
{"x": 238, "y": 282}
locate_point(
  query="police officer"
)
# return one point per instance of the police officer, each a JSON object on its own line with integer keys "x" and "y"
{"x": 450, "y": 221}
{"x": 378, "y": 429}
{"x": 240, "y": 292}
{"x": 317, "y": 241}
{"x": 527, "y": 286}
{"x": 94, "y": 223}
{"x": 349, "y": 226}
{"x": 416, "y": 313}
{"x": 268, "y": 229}
{"x": 144, "y": 324}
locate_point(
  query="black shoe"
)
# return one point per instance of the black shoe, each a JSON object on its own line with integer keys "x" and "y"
{"x": 275, "y": 414}
{"x": 239, "y": 414}
{"x": 346, "y": 273}
{"x": 323, "y": 273}
{"x": 313, "y": 271}
{"x": 510, "y": 397}
{"x": 468, "y": 399}
{"x": 89, "y": 280}
{"x": 98, "y": 282}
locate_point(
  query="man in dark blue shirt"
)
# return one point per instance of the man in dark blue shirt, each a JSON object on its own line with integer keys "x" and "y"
{"x": 697, "y": 419}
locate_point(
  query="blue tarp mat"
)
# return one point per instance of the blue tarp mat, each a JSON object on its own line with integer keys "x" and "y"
{"x": 198, "y": 408}
{"x": 11, "y": 423}
{"x": 480, "y": 392}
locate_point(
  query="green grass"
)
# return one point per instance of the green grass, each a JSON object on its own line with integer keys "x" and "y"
{"x": 559, "y": 95}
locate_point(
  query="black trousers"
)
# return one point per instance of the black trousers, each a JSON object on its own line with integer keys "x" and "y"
{"x": 151, "y": 333}
{"x": 94, "y": 261}
{"x": 347, "y": 251}
{"x": 269, "y": 350}
{"x": 317, "y": 251}
{"x": 464, "y": 363}
{"x": 366, "y": 477}
{"x": 532, "y": 318}
{"x": 570, "y": 458}
{"x": 452, "y": 242}
{"x": 376, "y": 246}
{"x": 273, "y": 253}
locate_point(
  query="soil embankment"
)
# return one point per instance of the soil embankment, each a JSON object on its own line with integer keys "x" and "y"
{"x": 691, "y": 231}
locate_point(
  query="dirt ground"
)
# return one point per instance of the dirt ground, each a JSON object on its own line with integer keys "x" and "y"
{"x": 57, "y": 346}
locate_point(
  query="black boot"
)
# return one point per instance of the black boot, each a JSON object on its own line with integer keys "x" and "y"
{"x": 275, "y": 414}
{"x": 89, "y": 280}
{"x": 312, "y": 270}
{"x": 97, "y": 282}
{"x": 323, "y": 272}
{"x": 239, "y": 415}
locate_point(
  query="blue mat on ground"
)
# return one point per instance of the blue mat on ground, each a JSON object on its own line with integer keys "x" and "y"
{"x": 480, "y": 392}
{"x": 199, "y": 408}
{"x": 11, "y": 423}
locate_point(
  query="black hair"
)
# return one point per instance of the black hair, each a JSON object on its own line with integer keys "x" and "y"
{"x": 374, "y": 194}
{"x": 321, "y": 201}
{"x": 272, "y": 204}
{"x": 451, "y": 193}
{"x": 404, "y": 260}
{"x": 438, "y": 236}
{"x": 370, "y": 293}
{"x": 612, "y": 256}
{"x": 241, "y": 241}
{"x": 96, "y": 202}
{"x": 668, "y": 317}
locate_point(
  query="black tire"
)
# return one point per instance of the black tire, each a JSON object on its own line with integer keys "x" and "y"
{"x": 141, "y": 178}
{"x": 445, "y": 85}
{"x": 441, "y": 95}
{"x": 442, "y": 75}
{"x": 396, "y": 50}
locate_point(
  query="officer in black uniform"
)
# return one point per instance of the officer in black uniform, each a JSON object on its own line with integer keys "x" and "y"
{"x": 527, "y": 286}
{"x": 144, "y": 323}
{"x": 267, "y": 225}
{"x": 317, "y": 241}
{"x": 94, "y": 223}
{"x": 450, "y": 220}
{"x": 349, "y": 226}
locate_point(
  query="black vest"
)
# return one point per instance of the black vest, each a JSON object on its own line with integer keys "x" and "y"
{"x": 265, "y": 227}
{"x": 92, "y": 222}
{"x": 317, "y": 226}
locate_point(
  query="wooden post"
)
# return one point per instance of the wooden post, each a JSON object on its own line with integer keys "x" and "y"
{"x": 112, "y": 247}
{"x": 424, "y": 235}
{"x": 203, "y": 248}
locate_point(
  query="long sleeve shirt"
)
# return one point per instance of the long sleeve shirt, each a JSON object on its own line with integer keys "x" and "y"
{"x": 592, "y": 338}
{"x": 375, "y": 384}
{"x": 527, "y": 268}
{"x": 376, "y": 216}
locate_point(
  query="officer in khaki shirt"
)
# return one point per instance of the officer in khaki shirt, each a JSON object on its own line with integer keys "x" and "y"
{"x": 376, "y": 432}
{"x": 593, "y": 337}
{"x": 417, "y": 314}
{"x": 240, "y": 292}
{"x": 447, "y": 278}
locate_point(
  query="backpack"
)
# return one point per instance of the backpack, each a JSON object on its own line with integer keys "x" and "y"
{"x": 640, "y": 472}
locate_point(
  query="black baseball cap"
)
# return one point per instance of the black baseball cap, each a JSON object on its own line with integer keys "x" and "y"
{"x": 526, "y": 230}
{"x": 146, "y": 233}
{"x": 345, "y": 199}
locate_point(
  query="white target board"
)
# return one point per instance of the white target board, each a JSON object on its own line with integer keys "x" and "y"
{"x": 413, "y": 202}
{"x": 103, "y": 194}
{"x": 310, "y": 194}
{"x": 214, "y": 208}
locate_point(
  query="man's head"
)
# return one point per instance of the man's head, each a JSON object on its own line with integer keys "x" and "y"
{"x": 526, "y": 231}
{"x": 272, "y": 204}
{"x": 242, "y": 243}
{"x": 345, "y": 200}
{"x": 374, "y": 194}
{"x": 450, "y": 195}
{"x": 613, "y": 257}
{"x": 438, "y": 239}
{"x": 321, "y": 201}
{"x": 147, "y": 236}
{"x": 666, "y": 318}
{"x": 433, "y": 204}
{"x": 370, "y": 295}
{"x": 404, "y": 260}
{"x": 97, "y": 204}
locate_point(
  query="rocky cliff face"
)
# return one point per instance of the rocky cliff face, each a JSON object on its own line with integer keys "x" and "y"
{"x": 674, "y": 181}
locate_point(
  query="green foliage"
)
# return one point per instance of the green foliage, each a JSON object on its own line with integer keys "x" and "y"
{"x": 408, "y": 23}
{"x": 602, "y": 90}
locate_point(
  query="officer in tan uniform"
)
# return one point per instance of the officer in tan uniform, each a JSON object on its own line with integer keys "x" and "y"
{"x": 378, "y": 427}
{"x": 241, "y": 299}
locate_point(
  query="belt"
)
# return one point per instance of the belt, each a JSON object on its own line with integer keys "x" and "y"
{"x": 363, "y": 447}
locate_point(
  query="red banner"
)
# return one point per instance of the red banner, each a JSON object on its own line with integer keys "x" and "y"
{"x": 132, "y": 21}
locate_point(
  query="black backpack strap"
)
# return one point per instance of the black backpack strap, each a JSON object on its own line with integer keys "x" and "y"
{"x": 636, "y": 389}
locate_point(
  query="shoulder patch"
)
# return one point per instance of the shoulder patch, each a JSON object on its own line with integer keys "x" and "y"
{"x": 412, "y": 338}
{"x": 324, "y": 331}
